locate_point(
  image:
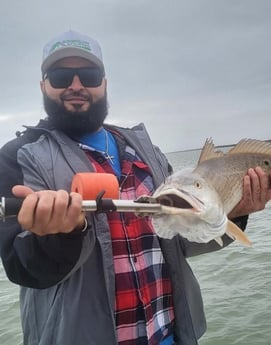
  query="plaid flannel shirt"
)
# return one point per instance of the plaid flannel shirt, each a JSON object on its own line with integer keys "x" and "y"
{"x": 143, "y": 300}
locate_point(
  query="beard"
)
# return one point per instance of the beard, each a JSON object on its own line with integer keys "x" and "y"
{"x": 76, "y": 123}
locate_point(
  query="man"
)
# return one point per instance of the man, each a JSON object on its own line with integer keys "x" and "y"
{"x": 96, "y": 278}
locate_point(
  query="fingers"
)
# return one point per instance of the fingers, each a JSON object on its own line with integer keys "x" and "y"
{"x": 256, "y": 193}
{"x": 259, "y": 187}
{"x": 74, "y": 211}
{"x": 21, "y": 191}
{"x": 26, "y": 215}
{"x": 51, "y": 212}
{"x": 264, "y": 185}
{"x": 269, "y": 187}
{"x": 247, "y": 188}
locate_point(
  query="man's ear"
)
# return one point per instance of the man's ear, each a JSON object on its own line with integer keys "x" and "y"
{"x": 42, "y": 86}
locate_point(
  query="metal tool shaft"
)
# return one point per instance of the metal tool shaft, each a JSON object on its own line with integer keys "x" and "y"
{"x": 9, "y": 207}
{"x": 120, "y": 206}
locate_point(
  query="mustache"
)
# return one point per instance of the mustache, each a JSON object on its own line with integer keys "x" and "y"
{"x": 67, "y": 95}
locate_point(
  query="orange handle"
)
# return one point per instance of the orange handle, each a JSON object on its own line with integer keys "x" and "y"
{"x": 89, "y": 185}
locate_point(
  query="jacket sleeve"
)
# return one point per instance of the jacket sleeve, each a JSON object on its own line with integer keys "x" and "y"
{"x": 30, "y": 260}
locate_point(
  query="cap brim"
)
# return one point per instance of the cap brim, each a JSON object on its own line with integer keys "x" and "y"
{"x": 69, "y": 52}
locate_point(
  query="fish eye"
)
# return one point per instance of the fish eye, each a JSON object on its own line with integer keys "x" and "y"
{"x": 198, "y": 184}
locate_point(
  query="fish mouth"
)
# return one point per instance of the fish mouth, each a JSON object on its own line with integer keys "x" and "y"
{"x": 177, "y": 201}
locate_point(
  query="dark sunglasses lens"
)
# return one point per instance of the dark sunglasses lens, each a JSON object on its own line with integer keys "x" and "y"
{"x": 61, "y": 78}
{"x": 90, "y": 77}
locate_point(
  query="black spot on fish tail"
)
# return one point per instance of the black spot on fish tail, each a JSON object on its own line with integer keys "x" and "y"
{"x": 267, "y": 163}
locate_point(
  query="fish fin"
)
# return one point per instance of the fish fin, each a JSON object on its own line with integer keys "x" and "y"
{"x": 251, "y": 146}
{"x": 208, "y": 151}
{"x": 219, "y": 241}
{"x": 234, "y": 232}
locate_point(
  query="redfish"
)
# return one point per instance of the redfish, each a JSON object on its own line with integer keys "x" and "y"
{"x": 195, "y": 202}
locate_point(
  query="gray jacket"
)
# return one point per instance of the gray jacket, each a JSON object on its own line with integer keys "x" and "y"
{"x": 68, "y": 299}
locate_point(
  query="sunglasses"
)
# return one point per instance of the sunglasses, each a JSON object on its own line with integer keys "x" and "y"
{"x": 61, "y": 78}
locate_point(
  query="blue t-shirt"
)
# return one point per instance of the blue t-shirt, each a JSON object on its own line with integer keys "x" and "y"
{"x": 104, "y": 142}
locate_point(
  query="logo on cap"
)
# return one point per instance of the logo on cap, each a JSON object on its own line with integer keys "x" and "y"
{"x": 72, "y": 44}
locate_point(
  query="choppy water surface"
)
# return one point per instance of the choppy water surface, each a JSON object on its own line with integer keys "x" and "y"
{"x": 235, "y": 282}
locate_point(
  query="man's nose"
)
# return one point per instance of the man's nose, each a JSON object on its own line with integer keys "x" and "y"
{"x": 76, "y": 83}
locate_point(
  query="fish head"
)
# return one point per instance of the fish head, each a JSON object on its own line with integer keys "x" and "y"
{"x": 190, "y": 206}
{"x": 188, "y": 192}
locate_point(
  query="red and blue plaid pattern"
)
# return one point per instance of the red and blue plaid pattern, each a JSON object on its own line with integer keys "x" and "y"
{"x": 143, "y": 304}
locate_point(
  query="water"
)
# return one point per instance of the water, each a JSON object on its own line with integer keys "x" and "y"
{"x": 235, "y": 283}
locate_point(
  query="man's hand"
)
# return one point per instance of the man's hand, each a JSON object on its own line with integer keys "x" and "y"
{"x": 49, "y": 212}
{"x": 256, "y": 193}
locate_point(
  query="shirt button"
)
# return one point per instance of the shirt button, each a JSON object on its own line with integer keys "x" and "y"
{"x": 100, "y": 159}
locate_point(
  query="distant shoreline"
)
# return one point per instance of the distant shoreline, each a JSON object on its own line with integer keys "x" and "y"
{"x": 216, "y": 146}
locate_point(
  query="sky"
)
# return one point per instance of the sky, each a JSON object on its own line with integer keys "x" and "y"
{"x": 188, "y": 69}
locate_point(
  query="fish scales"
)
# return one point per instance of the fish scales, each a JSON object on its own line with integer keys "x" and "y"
{"x": 226, "y": 174}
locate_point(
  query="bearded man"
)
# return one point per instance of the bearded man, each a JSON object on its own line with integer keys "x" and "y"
{"x": 96, "y": 278}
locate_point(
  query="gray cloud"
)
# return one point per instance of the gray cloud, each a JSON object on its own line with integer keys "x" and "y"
{"x": 188, "y": 69}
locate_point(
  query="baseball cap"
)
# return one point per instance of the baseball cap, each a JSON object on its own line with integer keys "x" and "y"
{"x": 71, "y": 43}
